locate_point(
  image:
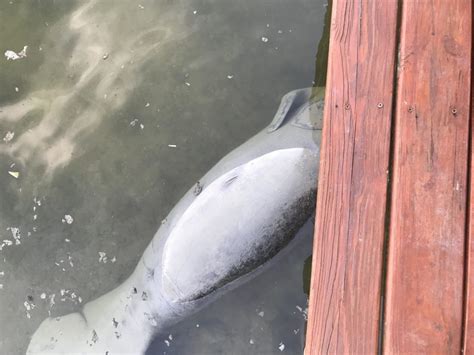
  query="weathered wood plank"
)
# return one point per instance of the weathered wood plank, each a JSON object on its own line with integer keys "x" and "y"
{"x": 347, "y": 256}
{"x": 468, "y": 344}
{"x": 424, "y": 305}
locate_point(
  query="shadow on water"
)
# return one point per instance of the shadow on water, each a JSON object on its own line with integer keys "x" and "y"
{"x": 320, "y": 74}
{"x": 119, "y": 109}
{"x": 321, "y": 65}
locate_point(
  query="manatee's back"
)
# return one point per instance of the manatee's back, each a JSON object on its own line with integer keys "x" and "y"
{"x": 238, "y": 222}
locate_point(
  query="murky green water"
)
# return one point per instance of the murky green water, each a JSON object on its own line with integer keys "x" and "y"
{"x": 118, "y": 108}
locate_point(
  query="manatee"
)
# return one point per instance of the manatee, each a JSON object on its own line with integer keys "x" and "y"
{"x": 226, "y": 229}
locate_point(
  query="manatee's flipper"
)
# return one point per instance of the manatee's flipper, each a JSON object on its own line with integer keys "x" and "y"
{"x": 288, "y": 105}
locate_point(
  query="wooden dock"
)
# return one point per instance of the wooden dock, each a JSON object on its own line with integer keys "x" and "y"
{"x": 393, "y": 258}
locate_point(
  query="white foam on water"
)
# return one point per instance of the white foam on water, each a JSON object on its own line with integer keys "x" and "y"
{"x": 75, "y": 105}
{"x": 12, "y": 55}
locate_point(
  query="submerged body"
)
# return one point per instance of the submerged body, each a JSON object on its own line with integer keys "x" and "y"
{"x": 241, "y": 214}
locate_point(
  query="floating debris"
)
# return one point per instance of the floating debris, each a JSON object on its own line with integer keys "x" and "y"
{"x": 147, "y": 104}
{"x": 187, "y": 83}
{"x": 281, "y": 346}
{"x": 67, "y": 219}
{"x": 169, "y": 340}
{"x": 69, "y": 257}
{"x": 94, "y": 338}
{"x": 66, "y": 295}
{"x": 230, "y": 76}
{"x": 195, "y": 12}
{"x": 43, "y": 296}
{"x": 11, "y": 55}
{"x": 172, "y": 145}
{"x": 102, "y": 257}
{"x": 134, "y": 122}
{"x": 29, "y": 305}
{"x": 9, "y": 136}
{"x": 51, "y": 302}
{"x": 264, "y": 39}
{"x": 5, "y": 242}
{"x": 105, "y": 56}
{"x": 16, "y": 89}
{"x": 15, "y": 234}
{"x": 197, "y": 325}
{"x": 15, "y": 174}
{"x": 304, "y": 312}
{"x": 251, "y": 341}
{"x": 142, "y": 126}
{"x": 141, "y": 6}
{"x": 261, "y": 314}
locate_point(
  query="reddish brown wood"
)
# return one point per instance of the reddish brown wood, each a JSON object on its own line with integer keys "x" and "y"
{"x": 347, "y": 256}
{"x": 424, "y": 307}
{"x": 468, "y": 344}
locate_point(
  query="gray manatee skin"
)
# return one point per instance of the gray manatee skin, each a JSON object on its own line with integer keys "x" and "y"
{"x": 224, "y": 230}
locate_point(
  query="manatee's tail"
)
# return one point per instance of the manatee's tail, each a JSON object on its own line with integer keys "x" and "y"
{"x": 122, "y": 321}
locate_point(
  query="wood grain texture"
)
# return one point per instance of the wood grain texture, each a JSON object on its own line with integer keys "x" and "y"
{"x": 349, "y": 232}
{"x": 424, "y": 305}
{"x": 468, "y": 336}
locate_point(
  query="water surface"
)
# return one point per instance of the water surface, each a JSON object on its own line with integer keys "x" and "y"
{"x": 118, "y": 108}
